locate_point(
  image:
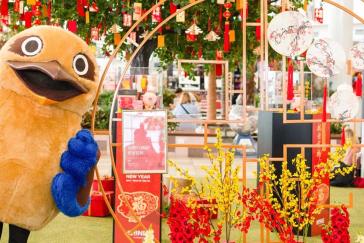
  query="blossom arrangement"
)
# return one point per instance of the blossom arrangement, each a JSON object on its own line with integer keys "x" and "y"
{"x": 282, "y": 203}
{"x": 338, "y": 231}
{"x": 187, "y": 224}
{"x": 294, "y": 195}
{"x": 219, "y": 188}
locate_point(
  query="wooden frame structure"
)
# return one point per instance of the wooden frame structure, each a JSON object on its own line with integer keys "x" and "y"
{"x": 226, "y": 78}
{"x": 264, "y": 104}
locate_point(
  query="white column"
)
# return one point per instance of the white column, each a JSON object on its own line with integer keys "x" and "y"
{"x": 340, "y": 29}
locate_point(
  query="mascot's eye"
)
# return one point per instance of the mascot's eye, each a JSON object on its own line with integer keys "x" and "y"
{"x": 32, "y": 46}
{"x": 80, "y": 64}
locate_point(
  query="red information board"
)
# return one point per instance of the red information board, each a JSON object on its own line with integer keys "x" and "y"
{"x": 142, "y": 192}
{"x": 320, "y": 155}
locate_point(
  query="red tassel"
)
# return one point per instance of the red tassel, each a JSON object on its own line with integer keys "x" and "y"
{"x": 218, "y": 66}
{"x": 172, "y": 8}
{"x": 324, "y": 113}
{"x": 257, "y": 31}
{"x": 49, "y": 9}
{"x": 220, "y": 21}
{"x": 226, "y": 37}
{"x": 5, "y": 7}
{"x": 343, "y": 141}
{"x": 28, "y": 19}
{"x": 290, "y": 90}
{"x": 359, "y": 85}
{"x": 199, "y": 53}
{"x": 80, "y": 9}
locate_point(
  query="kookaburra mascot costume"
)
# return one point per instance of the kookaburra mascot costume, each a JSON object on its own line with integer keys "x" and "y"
{"x": 48, "y": 80}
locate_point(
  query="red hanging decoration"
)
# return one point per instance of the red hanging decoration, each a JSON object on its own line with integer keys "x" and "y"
{"x": 319, "y": 14}
{"x": 343, "y": 140}
{"x": 199, "y": 54}
{"x": 219, "y": 56}
{"x": 226, "y": 37}
{"x": 80, "y": 8}
{"x": 359, "y": 85}
{"x": 290, "y": 89}
{"x": 4, "y": 8}
{"x": 72, "y": 26}
{"x": 324, "y": 113}
{"x": 257, "y": 31}
{"x": 172, "y": 8}
{"x": 28, "y": 19}
{"x": 49, "y": 9}
{"x": 17, "y": 6}
{"x": 227, "y": 15}
{"x": 218, "y": 30}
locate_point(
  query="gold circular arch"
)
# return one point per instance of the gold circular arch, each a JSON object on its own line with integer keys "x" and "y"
{"x": 345, "y": 9}
{"x": 93, "y": 115}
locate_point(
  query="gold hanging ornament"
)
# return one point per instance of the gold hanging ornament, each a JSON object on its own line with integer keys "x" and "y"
{"x": 117, "y": 39}
{"x": 232, "y": 35}
{"x": 87, "y": 17}
{"x": 31, "y": 2}
{"x": 161, "y": 41}
{"x": 137, "y": 11}
{"x": 181, "y": 17}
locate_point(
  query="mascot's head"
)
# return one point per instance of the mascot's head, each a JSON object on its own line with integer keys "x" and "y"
{"x": 51, "y": 66}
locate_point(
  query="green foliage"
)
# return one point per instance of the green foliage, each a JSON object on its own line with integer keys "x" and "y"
{"x": 336, "y": 128}
{"x": 176, "y": 45}
{"x": 102, "y": 114}
{"x": 168, "y": 97}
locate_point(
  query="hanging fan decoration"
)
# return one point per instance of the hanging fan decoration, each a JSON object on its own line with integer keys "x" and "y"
{"x": 212, "y": 36}
{"x": 326, "y": 58}
{"x": 344, "y": 104}
{"x": 357, "y": 56}
{"x": 115, "y": 28}
{"x": 290, "y": 33}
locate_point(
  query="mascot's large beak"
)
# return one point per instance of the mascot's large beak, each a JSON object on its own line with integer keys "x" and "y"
{"x": 48, "y": 79}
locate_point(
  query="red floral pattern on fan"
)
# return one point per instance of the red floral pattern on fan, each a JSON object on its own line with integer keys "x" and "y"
{"x": 142, "y": 203}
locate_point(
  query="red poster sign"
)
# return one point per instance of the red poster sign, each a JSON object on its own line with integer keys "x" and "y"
{"x": 142, "y": 193}
{"x": 320, "y": 155}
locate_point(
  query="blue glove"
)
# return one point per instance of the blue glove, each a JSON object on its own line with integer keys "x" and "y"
{"x": 76, "y": 163}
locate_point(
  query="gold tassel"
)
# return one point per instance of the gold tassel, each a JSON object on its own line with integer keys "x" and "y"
{"x": 305, "y": 3}
{"x": 232, "y": 35}
{"x": 87, "y": 17}
{"x": 239, "y": 4}
{"x": 117, "y": 38}
{"x": 30, "y": 2}
{"x": 161, "y": 42}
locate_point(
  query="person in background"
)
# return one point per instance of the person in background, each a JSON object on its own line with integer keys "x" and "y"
{"x": 177, "y": 99}
{"x": 186, "y": 110}
{"x": 351, "y": 156}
